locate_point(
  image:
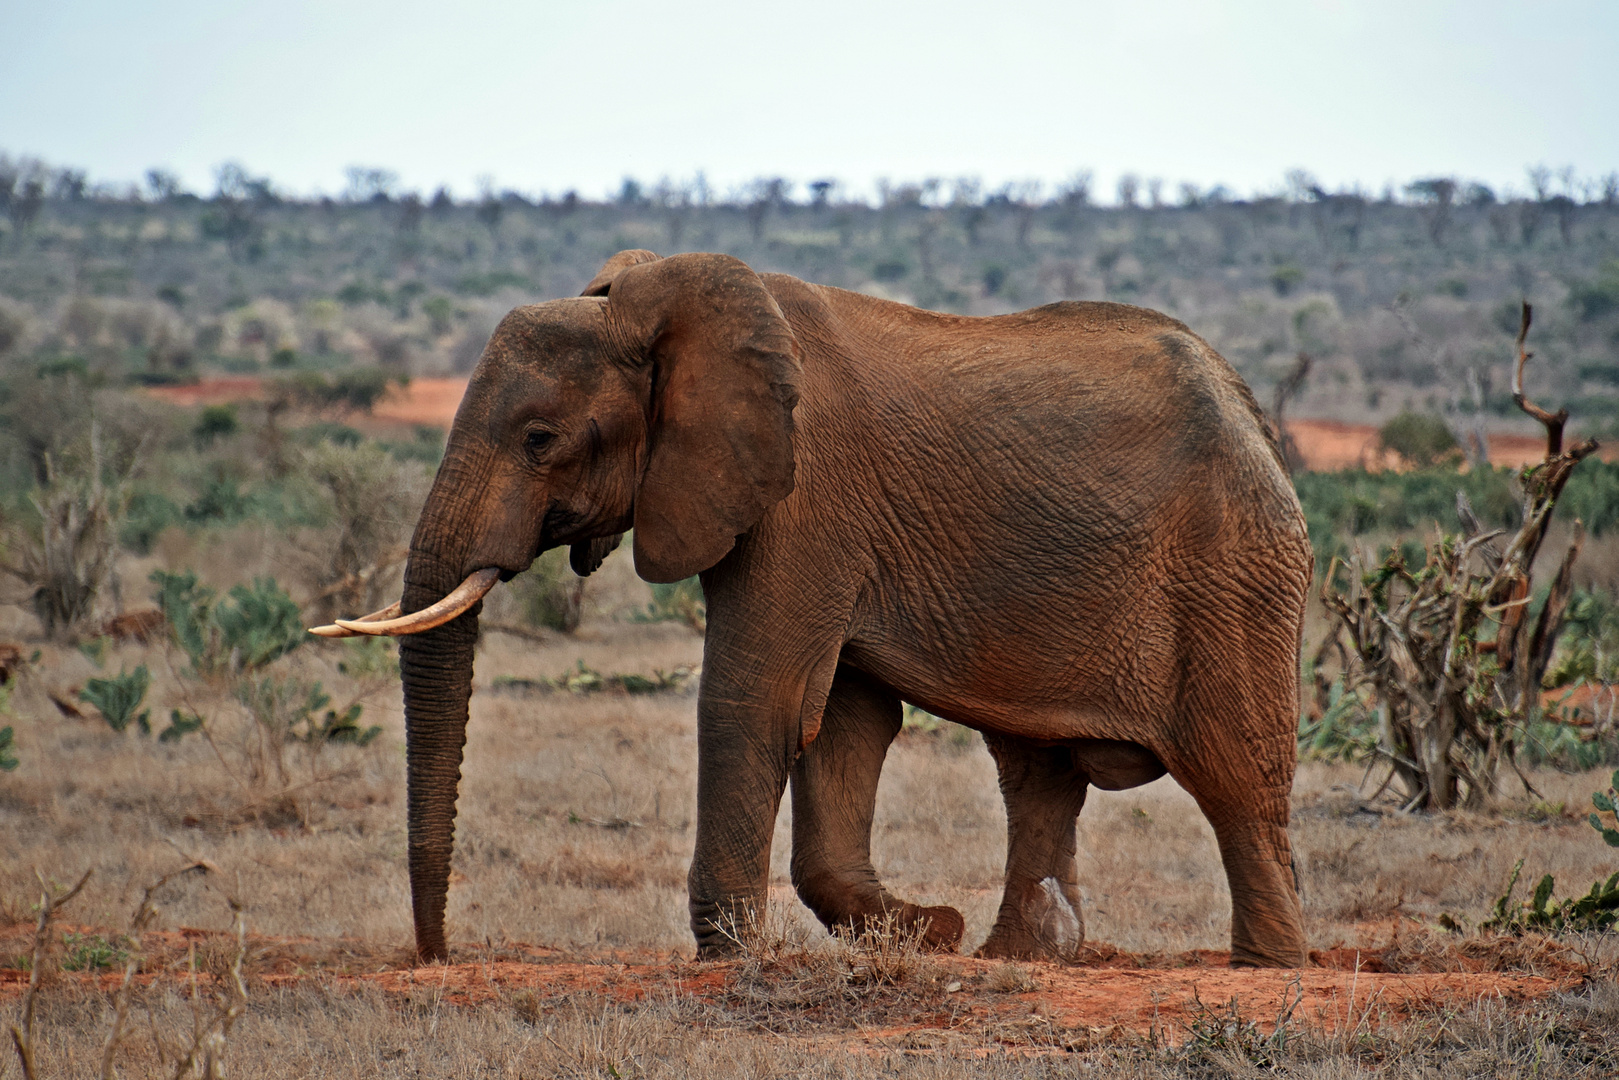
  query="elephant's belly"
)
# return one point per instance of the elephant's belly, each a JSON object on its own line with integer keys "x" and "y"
{"x": 1114, "y": 766}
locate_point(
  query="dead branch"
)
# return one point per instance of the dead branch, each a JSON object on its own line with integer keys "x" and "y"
{"x": 145, "y": 912}
{"x": 1553, "y": 421}
{"x": 1452, "y": 709}
{"x": 1285, "y": 391}
{"x": 50, "y": 902}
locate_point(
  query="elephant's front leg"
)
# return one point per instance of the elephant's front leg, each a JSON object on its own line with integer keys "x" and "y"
{"x": 834, "y": 798}
{"x": 1044, "y": 792}
{"x": 744, "y": 749}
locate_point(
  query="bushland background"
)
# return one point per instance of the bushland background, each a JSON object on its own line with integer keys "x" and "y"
{"x": 212, "y": 435}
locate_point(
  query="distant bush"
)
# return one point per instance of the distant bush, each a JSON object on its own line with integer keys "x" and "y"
{"x": 8, "y": 758}
{"x": 354, "y": 390}
{"x": 1597, "y": 298}
{"x": 548, "y": 594}
{"x": 487, "y": 284}
{"x": 678, "y": 601}
{"x": 215, "y": 422}
{"x": 1422, "y": 439}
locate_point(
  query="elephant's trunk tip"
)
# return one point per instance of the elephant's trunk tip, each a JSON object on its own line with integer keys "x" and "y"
{"x": 390, "y": 623}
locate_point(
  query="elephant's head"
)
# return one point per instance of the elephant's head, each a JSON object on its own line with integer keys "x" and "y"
{"x": 661, "y": 400}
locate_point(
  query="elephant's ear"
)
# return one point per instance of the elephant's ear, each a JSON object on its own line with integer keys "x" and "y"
{"x": 615, "y": 266}
{"x": 723, "y": 369}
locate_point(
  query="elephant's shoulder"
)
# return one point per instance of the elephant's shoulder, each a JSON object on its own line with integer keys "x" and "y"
{"x": 1101, "y": 316}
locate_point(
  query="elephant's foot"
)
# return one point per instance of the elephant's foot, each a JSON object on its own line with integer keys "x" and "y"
{"x": 939, "y": 929}
{"x": 1042, "y": 923}
{"x": 943, "y": 927}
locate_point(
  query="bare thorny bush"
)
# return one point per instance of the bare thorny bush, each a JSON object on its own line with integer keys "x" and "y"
{"x": 68, "y": 555}
{"x": 1448, "y": 648}
{"x": 217, "y": 998}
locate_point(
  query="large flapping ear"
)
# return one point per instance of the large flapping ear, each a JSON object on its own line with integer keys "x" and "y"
{"x": 724, "y": 379}
{"x": 615, "y": 266}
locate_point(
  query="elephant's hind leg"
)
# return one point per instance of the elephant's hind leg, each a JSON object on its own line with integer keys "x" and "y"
{"x": 1240, "y": 771}
{"x": 1044, "y": 792}
{"x": 834, "y": 799}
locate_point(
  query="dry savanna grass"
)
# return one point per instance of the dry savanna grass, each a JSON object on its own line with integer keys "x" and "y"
{"x": 575, "y": 831}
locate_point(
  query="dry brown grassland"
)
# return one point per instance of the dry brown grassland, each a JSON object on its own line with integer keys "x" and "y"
{"x": 575, "y": 831}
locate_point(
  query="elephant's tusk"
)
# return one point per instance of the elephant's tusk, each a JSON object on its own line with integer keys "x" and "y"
{"x": 332, "y": 630}
{"x": 466, "y": 594}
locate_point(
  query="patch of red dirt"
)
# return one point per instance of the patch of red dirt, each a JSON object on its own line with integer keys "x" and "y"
{"x": 1330, "y": 445}
{"x": 1110, "y": 991}
{"x": 1326, "y": 445}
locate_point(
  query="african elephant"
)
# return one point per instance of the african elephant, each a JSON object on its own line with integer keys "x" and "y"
{"x": 1068, "y": 528}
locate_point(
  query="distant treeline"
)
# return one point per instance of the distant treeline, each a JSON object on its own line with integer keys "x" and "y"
{"x": 26, "y": 183}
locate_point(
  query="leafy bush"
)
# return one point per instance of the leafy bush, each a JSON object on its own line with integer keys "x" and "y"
{"x": 214, "y": 422}
{"x": 548, "y": 594}
{"x": 117, "y": 698}
{"x": 1420, "y": 438}
{"x": 1597, "y": 298}
{"x": 254, "y": 627}
{"x": 678, "y": 601}
{"x": 1606, "y": 803}
{"x": 291, "y": 710}
{"x": 8, "y": 758}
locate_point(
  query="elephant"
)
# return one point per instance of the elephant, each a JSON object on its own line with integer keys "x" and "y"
{"x": 1068, "y": 528}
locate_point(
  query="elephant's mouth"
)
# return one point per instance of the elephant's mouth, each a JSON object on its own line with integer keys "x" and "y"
{"x": 388, "y": 622}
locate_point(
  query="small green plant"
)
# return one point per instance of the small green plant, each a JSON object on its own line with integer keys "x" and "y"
{"x": 91, "y": 952}
{"x": 181, "y": 724}
{"x": 587, "y": 680}
{"x": 8, "y": 759}
{"x": 1346, "y": 731}
{"x": 1596, "y": 910}
{"x": 95, "y": 649}
{"x": 1605, "y": 803}
{"x": 117, "y": 698}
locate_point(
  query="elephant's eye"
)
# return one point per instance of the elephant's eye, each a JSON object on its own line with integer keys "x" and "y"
{"x": 536, "y": 442}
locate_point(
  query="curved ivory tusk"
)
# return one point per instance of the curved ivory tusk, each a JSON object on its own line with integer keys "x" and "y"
{"x": 466, "y": 594}
{"x": 332, "y": 630}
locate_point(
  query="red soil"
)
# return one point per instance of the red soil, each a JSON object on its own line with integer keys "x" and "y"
{"x": 1111, "y": 993}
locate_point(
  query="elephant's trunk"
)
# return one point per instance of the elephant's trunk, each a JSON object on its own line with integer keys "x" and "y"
{"x": 436, "y": 668}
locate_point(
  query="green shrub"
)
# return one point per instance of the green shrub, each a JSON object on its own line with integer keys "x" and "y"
{"x": 547, "y": 593}
{"x": 1597, "y": 910}
{"x": 293, "y": 712}
{"x": 678, "y": 601}
{"x": 215, "y": 422}
{"x": 8, "y": 746}
{"x": 117, "y": 698}
{"x": 1422, "y": 439}
{"x": 255, "y": 626}
{"x": 1606, "y": 803}
{"x": 1597, "y": 298}
{"x": 148, "y": 514}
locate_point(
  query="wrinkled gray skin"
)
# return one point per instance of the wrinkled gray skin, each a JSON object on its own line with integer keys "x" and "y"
{"x": 1067, "y": 528}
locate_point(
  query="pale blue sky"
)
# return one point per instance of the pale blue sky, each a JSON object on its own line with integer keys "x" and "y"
{"x": 548, "y": 96}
